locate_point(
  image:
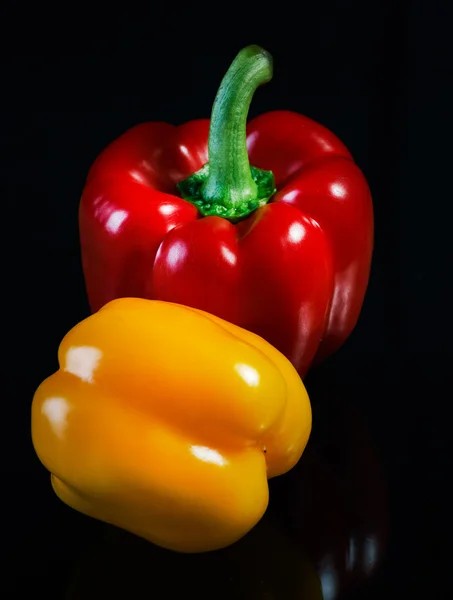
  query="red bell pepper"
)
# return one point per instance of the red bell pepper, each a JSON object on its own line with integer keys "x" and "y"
{"x": 282, "y": 248}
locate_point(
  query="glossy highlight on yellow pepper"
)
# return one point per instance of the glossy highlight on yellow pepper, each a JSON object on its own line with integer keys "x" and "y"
{"x": 167, "y": 422}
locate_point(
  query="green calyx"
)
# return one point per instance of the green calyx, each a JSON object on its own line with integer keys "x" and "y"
{"x": 191, "y": 190}
{"x": 228, "y": 186}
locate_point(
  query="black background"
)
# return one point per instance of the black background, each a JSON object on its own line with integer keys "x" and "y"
{"x": 379, "y": 75}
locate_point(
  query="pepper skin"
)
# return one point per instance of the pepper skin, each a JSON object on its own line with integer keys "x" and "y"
{"x": 168, "y": 422}
{"x": 292, "y": 268}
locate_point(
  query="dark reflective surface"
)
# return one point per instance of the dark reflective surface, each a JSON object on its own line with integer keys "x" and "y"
{"x": 264, "y": 564}
{"x": 335, "y": 501}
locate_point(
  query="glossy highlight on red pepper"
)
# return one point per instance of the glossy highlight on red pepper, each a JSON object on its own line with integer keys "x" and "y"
{"x": 292, "y": 268}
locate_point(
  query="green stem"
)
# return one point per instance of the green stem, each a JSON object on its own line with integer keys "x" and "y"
{"x": 230, "y": 181}
{"x": 227, "y": 185}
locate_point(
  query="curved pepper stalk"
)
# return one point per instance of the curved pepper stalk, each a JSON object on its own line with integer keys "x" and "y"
{"x": 227, "y": 186}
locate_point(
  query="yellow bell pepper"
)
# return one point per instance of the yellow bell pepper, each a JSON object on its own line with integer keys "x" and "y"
{"x": 167, "y": 422}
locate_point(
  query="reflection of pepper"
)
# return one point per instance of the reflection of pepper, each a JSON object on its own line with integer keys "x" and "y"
{"x": 263, "y": 565}
{"x": 336, "y": 499}
{"x": 291, "y": 266}
{"x": 167, "y": 421}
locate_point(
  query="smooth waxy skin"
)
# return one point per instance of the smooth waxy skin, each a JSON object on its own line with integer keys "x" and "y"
{"x": 167, "y": 422}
